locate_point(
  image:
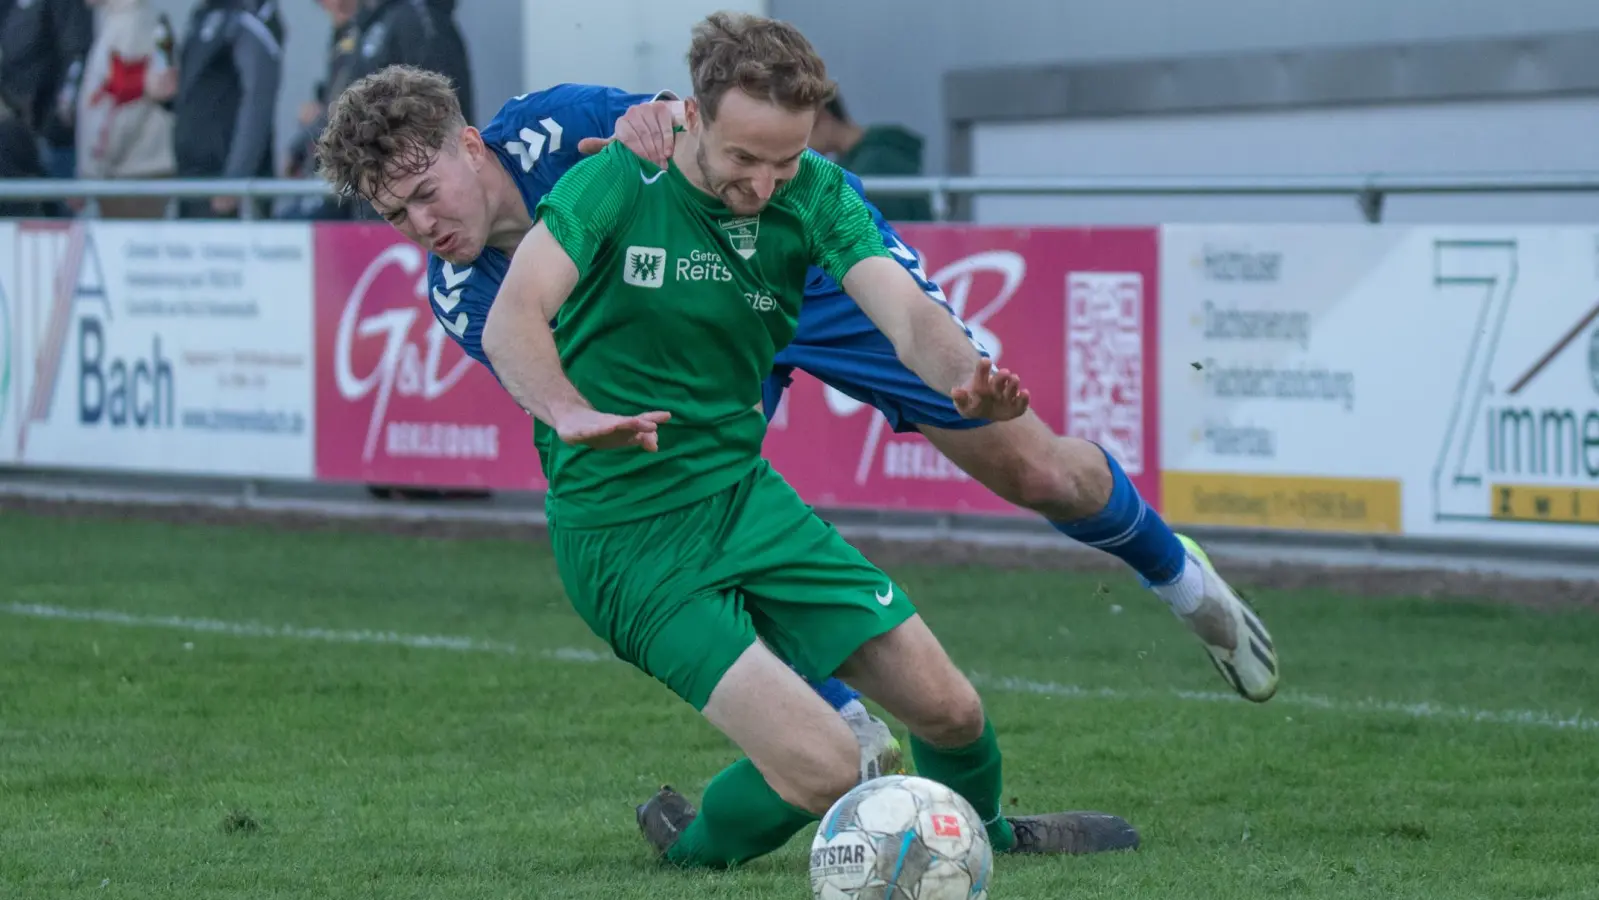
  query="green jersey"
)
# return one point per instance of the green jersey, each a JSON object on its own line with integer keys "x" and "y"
{"x": 681, "y": 306}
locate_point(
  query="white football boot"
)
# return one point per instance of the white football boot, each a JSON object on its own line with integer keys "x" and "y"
{"x": 1232, "y": 633}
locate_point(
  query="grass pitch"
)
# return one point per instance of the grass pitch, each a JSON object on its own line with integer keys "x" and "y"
{"x": 213, "y": 712}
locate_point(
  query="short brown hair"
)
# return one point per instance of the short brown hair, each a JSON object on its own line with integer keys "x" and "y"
{"x": 389, "y": 124}
{"x": 762, "y": 57}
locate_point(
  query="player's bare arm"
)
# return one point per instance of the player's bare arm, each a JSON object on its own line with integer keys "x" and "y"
{"x": 931, "y": 343}
{"x": 521, "y": 347}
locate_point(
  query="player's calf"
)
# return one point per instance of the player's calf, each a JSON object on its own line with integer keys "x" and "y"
{"x": 801, "y": 746}
{"x": 801, "y": 759}
{"x": 1076, "y": 485}
{"x": 881, "y": 753}
{"x": 953, "y": 742}
{"x": 907, "y": 671}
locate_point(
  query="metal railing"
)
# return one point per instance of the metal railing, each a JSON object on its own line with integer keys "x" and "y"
{"x": 1368, "y": 191}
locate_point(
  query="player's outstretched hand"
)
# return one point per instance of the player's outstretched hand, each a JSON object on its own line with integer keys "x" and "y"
{"x": 645, "y": 128}
{"x": 603, "y": 431}
{"x": 995, "y": 394}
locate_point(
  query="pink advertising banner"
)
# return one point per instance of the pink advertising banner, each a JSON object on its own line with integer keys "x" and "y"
{"x": 1070, "y": 310}
{"x": 397, "y": 402}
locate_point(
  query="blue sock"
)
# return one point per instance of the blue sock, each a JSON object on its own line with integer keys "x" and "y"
{"x": 835, "y": 692}
{"x": 1129, "y": 530}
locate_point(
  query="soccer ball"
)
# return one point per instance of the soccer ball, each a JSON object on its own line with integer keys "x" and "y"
{"x": 901, "y": 837}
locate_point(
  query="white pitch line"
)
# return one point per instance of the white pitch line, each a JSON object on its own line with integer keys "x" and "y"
{"x": 463, "y": 644}
{"x": 259, "y": 630}
{"x": 1425, "y": 710}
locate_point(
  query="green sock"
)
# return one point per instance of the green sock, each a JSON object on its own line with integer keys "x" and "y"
{"x": 973, "y": 772}
{"x": 740, "y": 818}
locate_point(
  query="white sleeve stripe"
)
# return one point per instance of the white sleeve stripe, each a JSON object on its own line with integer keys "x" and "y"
{"x": 258, "y": 28}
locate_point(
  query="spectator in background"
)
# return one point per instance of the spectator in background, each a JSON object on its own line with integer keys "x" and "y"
{"x": 343, "y": 61}
{"x": 19, "y": 158}
{"x": 123, "y": 132}
{"x": 875, "y": 150}
{"x": 224, "y": 95}
{"x": 420, "y": 33}
{"x": 42, "y": 45}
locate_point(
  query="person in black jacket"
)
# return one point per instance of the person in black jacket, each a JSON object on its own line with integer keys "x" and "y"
{"x": 42, "y": 46}
{"x": 420, "y": 33}
{"x": 19, "y": 158}
{"x": 300, "y": 162}
{"x": 230, "y": 62}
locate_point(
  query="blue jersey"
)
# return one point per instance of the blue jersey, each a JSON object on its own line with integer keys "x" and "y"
{"x": 535, "y": 138}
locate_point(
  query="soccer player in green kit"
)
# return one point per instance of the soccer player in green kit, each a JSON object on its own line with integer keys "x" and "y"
{"x": 670, "y": 291}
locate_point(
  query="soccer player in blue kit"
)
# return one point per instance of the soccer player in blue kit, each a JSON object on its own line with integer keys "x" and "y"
{"x": 467, "y": 196}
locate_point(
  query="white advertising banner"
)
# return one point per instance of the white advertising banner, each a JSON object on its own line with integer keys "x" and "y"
{"x": 173, "y": 347}
{"x": 1431, "y": 381}
{"x": 10, "y": 346}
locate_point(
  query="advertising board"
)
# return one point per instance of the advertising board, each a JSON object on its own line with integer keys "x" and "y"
{"x": 174, "y": 347}
{"x": 1073, "y": 311}
{"x": 10, "y": 346}
{"x": 1424, "y": 380}
{"x": 398, "y": 402}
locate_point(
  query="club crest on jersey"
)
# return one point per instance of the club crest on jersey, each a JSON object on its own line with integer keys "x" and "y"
{"x": 644, "y": 267}
{"x": 743, "y": 233}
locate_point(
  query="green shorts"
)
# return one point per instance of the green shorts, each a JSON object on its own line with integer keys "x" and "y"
{"x": 683, "y": 595}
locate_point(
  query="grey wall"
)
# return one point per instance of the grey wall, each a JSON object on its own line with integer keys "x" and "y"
{"x": 492, "y": 30}
{"x": 889, "y": 56}
{"x": 637, "y": 45}
{"x": 1461, "y": 140}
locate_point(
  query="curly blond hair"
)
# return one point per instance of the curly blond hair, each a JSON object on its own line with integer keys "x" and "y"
{"x": 389, "y": 124}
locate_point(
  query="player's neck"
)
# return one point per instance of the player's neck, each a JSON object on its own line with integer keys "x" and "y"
{"x": 684, "y": 152}
{"x": 509, "y": 220}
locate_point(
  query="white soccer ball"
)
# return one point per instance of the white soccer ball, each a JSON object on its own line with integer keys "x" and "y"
{"x": 901, "y": 837}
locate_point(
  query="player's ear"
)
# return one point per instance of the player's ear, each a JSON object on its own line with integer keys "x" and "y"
{"x": 472, "y": 146}
{"x": 691, "y": 114}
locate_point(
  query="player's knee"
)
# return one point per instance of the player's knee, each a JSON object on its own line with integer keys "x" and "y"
{"x": 824, "y": 770}
{"x": 1044, "y": 488}
{"x": 1069, "y": 483}
{"x": 958, "y": 718}
{"x": 1037, "y": 473}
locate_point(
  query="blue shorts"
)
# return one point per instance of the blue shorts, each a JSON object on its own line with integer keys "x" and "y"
{"x": 840, "y": 346}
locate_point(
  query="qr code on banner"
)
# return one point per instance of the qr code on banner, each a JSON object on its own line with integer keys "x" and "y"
{"x": 1105, "y": 362}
